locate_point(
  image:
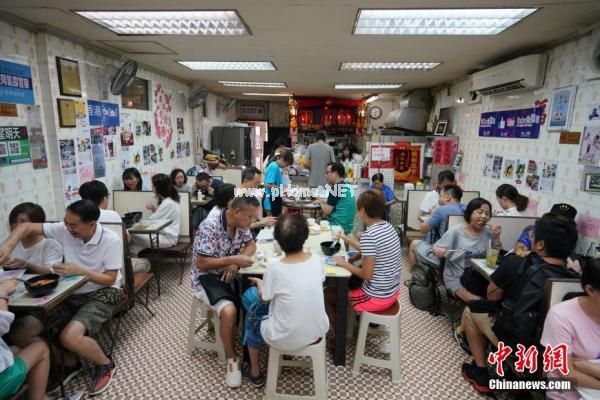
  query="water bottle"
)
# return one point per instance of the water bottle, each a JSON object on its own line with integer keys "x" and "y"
{"x": 591, "y": 251}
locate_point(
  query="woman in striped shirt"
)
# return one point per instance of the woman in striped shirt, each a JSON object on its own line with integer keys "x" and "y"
{"x": 379, "y": 256}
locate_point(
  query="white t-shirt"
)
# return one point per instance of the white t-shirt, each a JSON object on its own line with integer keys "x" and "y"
{"x": 169, "y": 209}
{"x": 297, "y": 315}
{"x": 431, "y": 200}
{"x": 509, "y": 212}
{"x": 44, "y": 253}
{"x": 109, "y": 217}
{"x": 97, "y": 255}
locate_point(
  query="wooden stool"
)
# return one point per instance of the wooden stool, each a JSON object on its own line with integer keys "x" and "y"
{"x": 390, "y": 318}
{"x": 201, "y": 310}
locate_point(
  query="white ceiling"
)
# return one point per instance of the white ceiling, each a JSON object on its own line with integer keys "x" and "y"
{"x": 308, "y": 39}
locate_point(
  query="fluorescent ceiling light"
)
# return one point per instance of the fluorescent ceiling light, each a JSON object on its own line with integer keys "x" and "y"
{"x": 209, "y": 23}
{"x": 390, "y": 66}
{"x": 254, "y": 84}
{"x": 229, "y": 65}
{"x": 367, "y": 85}
{"x": 268, "y": 94}
{"x": 487, "y": 21}
{"x": 372, "y": 98}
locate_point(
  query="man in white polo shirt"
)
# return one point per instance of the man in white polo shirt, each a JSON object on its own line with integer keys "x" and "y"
{"x": 89, "y": 250}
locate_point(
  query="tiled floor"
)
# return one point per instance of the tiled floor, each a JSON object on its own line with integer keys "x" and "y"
{"x": 153, "y": 363}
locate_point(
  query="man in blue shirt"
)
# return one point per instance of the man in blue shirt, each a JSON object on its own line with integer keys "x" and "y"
{"x": 273, "y": 200}
{"x": 435, "y": 226}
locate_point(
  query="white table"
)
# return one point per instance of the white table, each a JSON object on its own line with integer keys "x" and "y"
{"x": 481, "y": 266}
{"x": 333, "y": 274}
{"x": 152, "y": 227}
{"x": 23, "y": 301}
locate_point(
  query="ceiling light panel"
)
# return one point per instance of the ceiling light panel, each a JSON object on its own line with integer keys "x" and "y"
{"x": 208, "y": 23}
{"x": 254, "y": 84}
{"x": 488, "y": 21}
{"x": 368, "y": 85}
{"x": 268, "y": 94}
{"x": 229, "y": 65}
{"x": 388, "y": 66}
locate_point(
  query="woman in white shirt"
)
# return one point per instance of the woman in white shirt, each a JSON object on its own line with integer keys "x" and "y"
{"x": 36, "y": 253}
{"x": 512, "y": 203}
{"x": 168, "y": 209}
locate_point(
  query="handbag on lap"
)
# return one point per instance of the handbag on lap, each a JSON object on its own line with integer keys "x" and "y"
{"x": 216, "y": 289}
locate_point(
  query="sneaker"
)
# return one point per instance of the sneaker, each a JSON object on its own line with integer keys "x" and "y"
{"x": 103, "y": 377}
{"x": 385, "y": 347}
{"x": 461, "y": 339}
{"x": 233, "y": 377}
{"x": 478, "y": 377}
{"x": 69, "y": 374}
{"x": 256, "y": 381}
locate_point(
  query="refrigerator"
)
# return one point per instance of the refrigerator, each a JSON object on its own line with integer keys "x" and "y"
{"x": 235, "y": 143}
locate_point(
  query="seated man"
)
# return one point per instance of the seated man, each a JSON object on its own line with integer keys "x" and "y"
{"x": 340, "y": 206}
{"x": 89, "y": 250}
{"x": 523, "y": 245}
{"x": 206, "y": 185}
{"x": 555, "y": 239}
{"x": 222, "y": 246}
{"x": 97, "y": 192}
{"x": 292, "y": 286}
{"x": 430, "y": 202}
{"x": 435, "y": 227}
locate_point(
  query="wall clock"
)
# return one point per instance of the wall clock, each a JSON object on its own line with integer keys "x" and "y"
{"x": 375, "y": 112}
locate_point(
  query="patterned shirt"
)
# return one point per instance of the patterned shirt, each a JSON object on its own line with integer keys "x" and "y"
{"x": 212, "y": 241}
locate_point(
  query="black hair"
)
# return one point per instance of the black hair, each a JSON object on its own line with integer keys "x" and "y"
{"x": 590, "y": 274}
{"x": 249, "y": 172}
{"x": 338, "y": 168}
{"x": 287, "y": 156}
{"x": 224, "y": 193}
{"x": 203, "y": 176}
{"x": 291, "y": 231}
{"x": 174, "y": 175}
{"x": 321, "y": 135}
{"x": 95, "y": 191}
{"x": 34, "y": 212}
{"x": 511, "y": 193}
{"x": 454, "y": 191}
{"x": 129, "y": 172}
{"x": 446, "y": 175}
{"x": 377, "y": 177}
{"x": 350, "y": 149}
{"x": 85, "y": 209}
{"x": 243, "y": 202}
{"x": 164, "y": 188}
{"x": 373, "y": 202}
{"x": 558, "y": 234}
{"x": 476, "y": 204}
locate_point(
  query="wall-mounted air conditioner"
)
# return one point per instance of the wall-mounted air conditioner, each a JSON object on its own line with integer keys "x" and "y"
{"x": 522, "y": 73}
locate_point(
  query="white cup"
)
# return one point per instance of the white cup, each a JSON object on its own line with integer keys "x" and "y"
{"x": 336, "y": 231}
{"x": 311, "y": 221}
{"x": 200, "y": 196}
{"x": 324, "y": 225}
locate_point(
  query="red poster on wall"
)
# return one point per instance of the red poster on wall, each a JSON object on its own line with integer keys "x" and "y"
{"x": 407, "y": 162}
{"x": 444, "y": 150}
{"x": 382, "y": 155}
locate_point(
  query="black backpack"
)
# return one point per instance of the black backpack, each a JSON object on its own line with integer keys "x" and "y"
{"x": 423, "y": 291}
{"x": 519, "y": 321}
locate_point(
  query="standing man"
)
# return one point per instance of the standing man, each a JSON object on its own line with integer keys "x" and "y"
{"x": 317, "y": 156}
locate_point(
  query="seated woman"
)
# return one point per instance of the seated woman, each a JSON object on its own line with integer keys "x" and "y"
{"x": 179, "y": 179}
{"x": 132, "y": 180}
{"x": 466, "y": 241}
{"x": 377, "y": 183}
{"x": 295, "y": 316}
{"x": 168, "y": 208}
{"x": 576, "y": 323}
{"x": 31, "y": 363}
{"x": 379, "y": 255}
{"x": 511, "y": 201}
{"x": 36, "y": 253}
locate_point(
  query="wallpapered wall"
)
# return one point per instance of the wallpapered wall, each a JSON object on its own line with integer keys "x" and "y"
{"x": 567, "y": 66}
{"x": 44, "y": 186}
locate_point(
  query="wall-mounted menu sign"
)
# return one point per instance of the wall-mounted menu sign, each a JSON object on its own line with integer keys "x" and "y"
{"x": 516, "y": 124}
{"x": 14, "y": 145}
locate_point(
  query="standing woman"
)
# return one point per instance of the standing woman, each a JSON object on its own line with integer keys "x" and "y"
{"x": 168, "y": 208}
{"x": 179, "y": 179}
{"x": 132, "y": 180}
{"x": 511, "y": 202}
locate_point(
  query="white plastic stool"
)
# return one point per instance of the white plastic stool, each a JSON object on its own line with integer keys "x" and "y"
{"x": 201, "y": 310}
{"x": 318, "y": 362}
{"x": 390, "y": 318}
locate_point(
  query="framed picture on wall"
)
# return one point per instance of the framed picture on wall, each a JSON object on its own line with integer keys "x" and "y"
{"x": 68, "y": 77}
{"x": 66, "y": 113}
{"x": 561, "y": 108}
{"x": 592, "y": 183}
{"x": 440, "y": 128}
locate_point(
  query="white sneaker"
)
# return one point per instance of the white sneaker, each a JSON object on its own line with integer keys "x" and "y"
{"x": 385, "y": 347}
{"x": 233, "y": 377}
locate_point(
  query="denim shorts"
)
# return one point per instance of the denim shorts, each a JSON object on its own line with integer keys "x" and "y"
{"x": 256, "y": 312}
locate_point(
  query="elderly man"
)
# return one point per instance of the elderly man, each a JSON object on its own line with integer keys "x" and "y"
{"x": 222, "y": 246}
{"x": 89, "y": 250}
{"x": 340, "y": 206}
